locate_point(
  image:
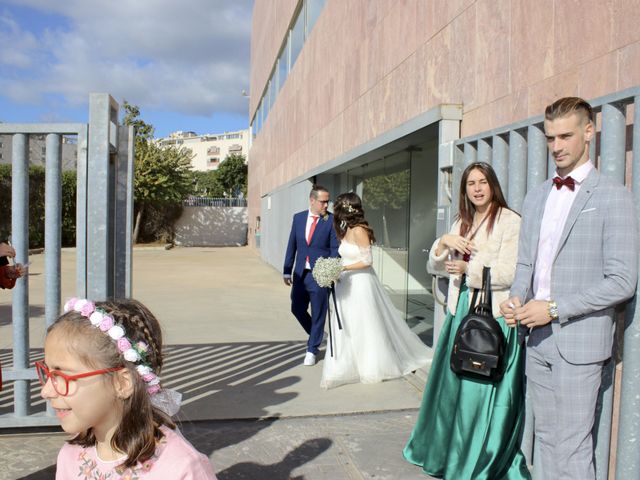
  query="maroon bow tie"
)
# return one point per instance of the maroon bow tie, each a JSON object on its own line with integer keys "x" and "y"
{"x": 568, "y": 182}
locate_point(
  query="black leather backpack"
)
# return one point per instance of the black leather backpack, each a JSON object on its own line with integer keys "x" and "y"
{"x": 479, "y": 345}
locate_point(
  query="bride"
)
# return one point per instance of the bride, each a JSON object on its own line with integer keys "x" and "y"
{"x": 375, "y": 343}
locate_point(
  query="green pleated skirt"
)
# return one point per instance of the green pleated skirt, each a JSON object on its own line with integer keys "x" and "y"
{"x": 470, "y": 429}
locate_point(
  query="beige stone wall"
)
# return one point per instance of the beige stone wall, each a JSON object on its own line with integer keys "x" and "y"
{"x": 370, "y": 65}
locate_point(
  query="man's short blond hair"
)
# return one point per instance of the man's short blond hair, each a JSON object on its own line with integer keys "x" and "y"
{"x": 566, "y": 106}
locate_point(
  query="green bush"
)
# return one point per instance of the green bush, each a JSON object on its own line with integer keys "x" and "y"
{"x": 36, "y": 206}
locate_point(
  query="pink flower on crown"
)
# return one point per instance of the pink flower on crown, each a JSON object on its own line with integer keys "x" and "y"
{"x": 87, "y": 308}
{"x": 153, "y": 389}
{"x": 106, "y": 323}
{"x": 70, "y": 303}
{"x": 142, "y": 347}
{"x": 123, "y": 344}
{"x": 80, "y": 302}
{"x": 149, "y": 377}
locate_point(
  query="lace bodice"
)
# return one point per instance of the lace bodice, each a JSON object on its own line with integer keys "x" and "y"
{"x": 352, "y": 253}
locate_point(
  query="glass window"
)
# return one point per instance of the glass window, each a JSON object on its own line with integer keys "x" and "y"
{"x": 314, "y": 7}
{"x": 267, "y": 103}
{"x": 283, "y": 64}
{"x": 297, "y": 38}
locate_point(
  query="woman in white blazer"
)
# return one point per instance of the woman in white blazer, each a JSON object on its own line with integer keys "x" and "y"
{"x": 469, "y": 429}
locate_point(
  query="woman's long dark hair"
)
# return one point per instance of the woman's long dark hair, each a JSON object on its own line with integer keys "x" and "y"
{"x": 466, "y": 209}
{"x": 348, "y": 213}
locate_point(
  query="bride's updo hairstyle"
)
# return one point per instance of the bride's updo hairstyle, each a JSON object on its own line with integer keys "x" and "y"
{"x": 348, "y": 213}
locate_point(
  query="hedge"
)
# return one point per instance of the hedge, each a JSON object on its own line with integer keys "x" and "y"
{"x": 36, "y": 206}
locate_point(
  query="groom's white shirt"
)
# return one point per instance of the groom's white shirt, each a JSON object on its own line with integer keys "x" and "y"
{"x": 556, "y": 211}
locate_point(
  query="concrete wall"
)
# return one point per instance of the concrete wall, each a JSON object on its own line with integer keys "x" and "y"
{"x": 212, "y": 227}
{"x": 369, "y": 66}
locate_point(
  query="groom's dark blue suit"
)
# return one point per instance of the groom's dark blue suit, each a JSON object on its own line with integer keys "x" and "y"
{"x": 305, "y": 290}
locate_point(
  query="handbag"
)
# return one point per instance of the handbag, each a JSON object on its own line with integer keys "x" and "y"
{"x": 479, "y": 344}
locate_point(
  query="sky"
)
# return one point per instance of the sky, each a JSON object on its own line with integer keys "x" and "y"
{"x": 184, "y": 63}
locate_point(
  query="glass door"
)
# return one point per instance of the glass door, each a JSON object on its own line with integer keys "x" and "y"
{"x": 384, "y": 186}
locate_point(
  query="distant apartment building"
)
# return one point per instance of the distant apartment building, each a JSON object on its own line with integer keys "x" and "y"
{"x": 37, "y": 150}
{"x": 211, "y": 149}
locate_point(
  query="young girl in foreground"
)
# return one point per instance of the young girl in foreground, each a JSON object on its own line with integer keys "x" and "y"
{"x": 100, "y": 369}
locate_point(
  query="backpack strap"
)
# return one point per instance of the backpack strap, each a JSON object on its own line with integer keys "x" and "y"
{"x": 487, "y": 296}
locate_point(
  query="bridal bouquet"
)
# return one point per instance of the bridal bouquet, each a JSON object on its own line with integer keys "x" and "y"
{"x": 327, "y": 270}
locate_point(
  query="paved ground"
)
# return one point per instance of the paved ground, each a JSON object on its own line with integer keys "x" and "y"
{"x": 235, "y": 353}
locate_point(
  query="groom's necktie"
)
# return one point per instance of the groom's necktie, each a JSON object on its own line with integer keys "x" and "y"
{"x": 311, "y": 230}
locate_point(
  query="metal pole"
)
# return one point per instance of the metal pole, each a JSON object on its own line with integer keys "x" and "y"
{"x": 612, "y": 152}
{"x": 517, "y": 169}
{"x": 628, "y": 451}
{"x": 536, "y": 156}
{"x": 81, "y": 214}
{"x": 52, "y": 227}
{"x": 20, "y": 240}
{"x": 484, "y": 150}
{"x": 500, "y": 162}
{"x": 99, "y": 195}
{"x": 470, "y": 154}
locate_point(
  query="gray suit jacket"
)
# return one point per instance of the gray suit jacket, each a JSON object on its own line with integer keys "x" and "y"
{"x": 595, "y": 267}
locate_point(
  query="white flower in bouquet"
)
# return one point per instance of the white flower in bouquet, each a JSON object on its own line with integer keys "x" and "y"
{"x": 327, "y": 270}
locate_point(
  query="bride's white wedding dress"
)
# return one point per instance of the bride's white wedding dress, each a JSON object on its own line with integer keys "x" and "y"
{"x": 375, "y": 343}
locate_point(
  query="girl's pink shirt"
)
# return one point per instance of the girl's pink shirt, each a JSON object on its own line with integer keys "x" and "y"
{"x": 175, "y": 459}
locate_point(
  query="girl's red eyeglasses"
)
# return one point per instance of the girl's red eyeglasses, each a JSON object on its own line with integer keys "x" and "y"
{"x": 60, "y": 381}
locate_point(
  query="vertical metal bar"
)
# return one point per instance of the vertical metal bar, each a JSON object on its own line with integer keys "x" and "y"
{"x": 612, "y": 165}
{"x": 470, "y": 154}
{"x": 484, "y": 150}
{"x": 52, "y": 230}
{"x": 551, "y": 165}
{"x": 628, "y": 450}
{"x": 458, "y": 168}
{"x": 613, "y": 141}
{"x": 500, "y": 162}
{"x": 517, "y": 169}
{"x": 536, "y": 156}
{"x": 81, "y": 215}
{"x": 99, "y": 234}
{"x": 131, "y": 155}
{"x": 602, "y": 432}
{"x": 123, "y": 213}
{"x": 52, "y": 227}
{"x": 526, "y": 444}
{"x": 20, "y": 240}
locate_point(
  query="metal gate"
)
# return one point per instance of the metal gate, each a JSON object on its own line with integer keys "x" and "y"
{"x": 519, "y": 156}
{"x": 103, "y": 229}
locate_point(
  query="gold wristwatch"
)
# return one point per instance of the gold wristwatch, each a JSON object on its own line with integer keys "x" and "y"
{"x": 553, "y": 310}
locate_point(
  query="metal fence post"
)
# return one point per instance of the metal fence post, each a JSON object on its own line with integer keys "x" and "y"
{"x": 628, "y": 451}
{"x": 20, "y": 240}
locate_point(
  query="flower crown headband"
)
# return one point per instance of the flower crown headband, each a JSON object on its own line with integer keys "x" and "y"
{"x": 132, "y": 352}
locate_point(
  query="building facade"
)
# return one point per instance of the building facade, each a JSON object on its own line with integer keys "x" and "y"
{"x": 210, "y": 149}
{"x": 371, "y": 96}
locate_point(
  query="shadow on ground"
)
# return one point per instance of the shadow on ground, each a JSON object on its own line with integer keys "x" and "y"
{"x": 5, "y": 313}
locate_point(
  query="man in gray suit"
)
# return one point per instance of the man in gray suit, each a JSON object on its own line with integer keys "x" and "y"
{"x": 577, "y": 259}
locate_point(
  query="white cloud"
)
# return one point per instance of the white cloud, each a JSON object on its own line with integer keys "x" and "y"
{"x": 190, "y": 56}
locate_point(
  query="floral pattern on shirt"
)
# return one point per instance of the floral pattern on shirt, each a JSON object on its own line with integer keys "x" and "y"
{"x": 89, "y": 469}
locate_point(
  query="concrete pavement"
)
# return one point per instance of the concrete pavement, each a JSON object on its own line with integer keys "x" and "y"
{"x": 235, "y": 352}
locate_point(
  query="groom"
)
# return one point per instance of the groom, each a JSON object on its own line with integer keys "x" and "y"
{"x": 312, "y": 236}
